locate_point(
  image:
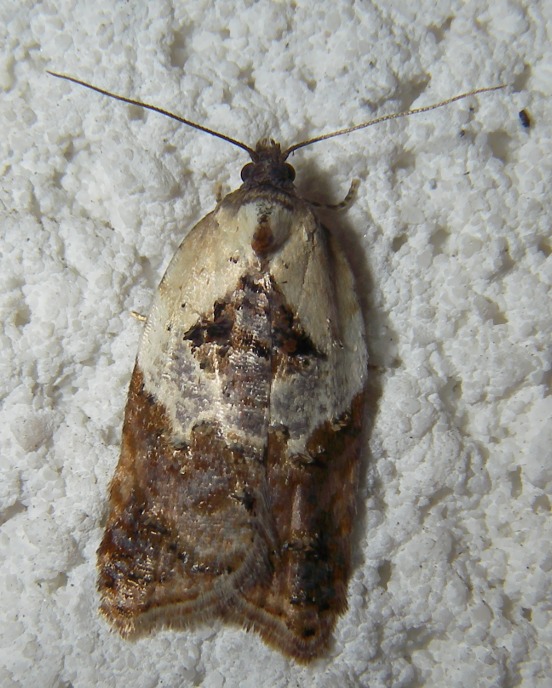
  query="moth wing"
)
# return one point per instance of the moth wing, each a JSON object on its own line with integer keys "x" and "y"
{"x": 180, "y": 537}
{"x": 317, "y": 399}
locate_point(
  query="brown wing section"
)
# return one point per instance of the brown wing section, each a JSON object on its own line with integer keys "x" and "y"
{"x": 180, "y": 537}
{"x": 312, "y": 503}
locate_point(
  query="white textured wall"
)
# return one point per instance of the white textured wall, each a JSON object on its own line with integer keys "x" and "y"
{"x": 451, "y": 246}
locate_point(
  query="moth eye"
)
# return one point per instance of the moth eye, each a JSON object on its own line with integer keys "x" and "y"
{"x": 246, "y": 171}
{"x": 290, "y": 172}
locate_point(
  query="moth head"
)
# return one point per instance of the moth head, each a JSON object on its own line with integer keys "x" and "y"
{"x": 268, "y": 166}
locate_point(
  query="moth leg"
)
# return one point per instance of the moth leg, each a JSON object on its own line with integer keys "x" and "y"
{"x": 342, "y": 205}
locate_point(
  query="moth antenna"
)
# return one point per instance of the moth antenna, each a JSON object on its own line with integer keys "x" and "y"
{"x": 147, "y": 106}
{"x": 384, "y": 118}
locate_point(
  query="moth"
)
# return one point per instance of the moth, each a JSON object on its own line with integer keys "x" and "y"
{"x": 234, "y": 496}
